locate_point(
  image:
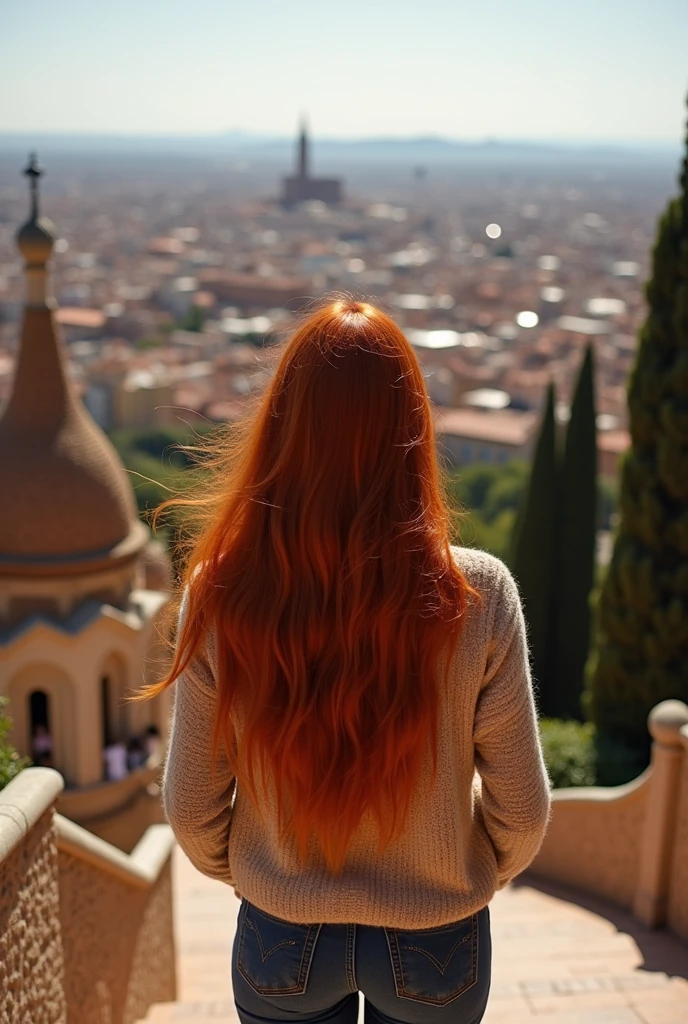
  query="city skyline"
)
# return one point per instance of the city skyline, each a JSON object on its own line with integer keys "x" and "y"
{"x": 603, "y": 71}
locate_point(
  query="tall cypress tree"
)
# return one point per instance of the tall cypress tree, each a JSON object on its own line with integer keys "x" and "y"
{"x": 533, "y": 558}
{"x": 575, "y": 552}
{"x": 641, "y": 654}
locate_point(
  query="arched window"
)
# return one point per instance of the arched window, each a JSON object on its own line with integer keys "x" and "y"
{"x": 40, "y": 733}
{"x": 44, "y": 717}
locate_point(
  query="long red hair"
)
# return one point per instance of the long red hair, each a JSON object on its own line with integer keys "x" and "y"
{"x": 321, "y": 561}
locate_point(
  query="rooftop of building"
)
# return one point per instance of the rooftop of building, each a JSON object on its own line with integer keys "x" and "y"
{"x": 502, "y": 426}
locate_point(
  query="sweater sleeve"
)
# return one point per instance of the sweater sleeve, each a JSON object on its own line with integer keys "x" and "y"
{"x": 508, "y": 755}
{"x": 198, "y": 803}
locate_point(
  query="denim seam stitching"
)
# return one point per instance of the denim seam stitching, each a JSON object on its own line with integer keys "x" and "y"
{"x": 278, "y": 920}
{"x": 402, "y": 991}
{"x": 393, "y": 946}
{"x": 300, "y": 986}
{"x": 264, "y": 955}
{"x": 240, "y": 924}
{"x": 433, "y": 959}
{"x": 350, "y": 955}
{"x": 295, "y": 990}
{"x": 353, "y": 960}
{"x": 308, "y": 948}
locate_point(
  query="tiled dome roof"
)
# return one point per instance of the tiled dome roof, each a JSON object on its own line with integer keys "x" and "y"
{"x": 67, "y": 501}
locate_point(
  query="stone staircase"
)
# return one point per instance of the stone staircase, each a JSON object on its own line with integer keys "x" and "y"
{"x": 193, "y": 1013}
{"x": 556, "y": 961}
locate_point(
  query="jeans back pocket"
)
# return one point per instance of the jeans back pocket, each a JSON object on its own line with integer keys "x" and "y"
{"x": 274, "y": 956}
{"x": 435, "y": 965}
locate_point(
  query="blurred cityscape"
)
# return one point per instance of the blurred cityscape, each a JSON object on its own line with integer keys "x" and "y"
{"x": 175, "y": 274}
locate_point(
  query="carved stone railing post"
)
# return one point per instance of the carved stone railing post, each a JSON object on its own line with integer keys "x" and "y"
{"x": 677, "y": 911}
{"x": 665, "y": 722}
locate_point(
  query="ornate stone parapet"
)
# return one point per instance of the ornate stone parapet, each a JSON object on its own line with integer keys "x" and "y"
{"x": 629, "y": 844}
{"x": 657, "y": 842}
{"x": 593, "y": 839}
{"x": 86, "y": 931}
{"x": 117, "y": 929}
{"x": 31, "y": 952}
{"x": 677, "y": 909}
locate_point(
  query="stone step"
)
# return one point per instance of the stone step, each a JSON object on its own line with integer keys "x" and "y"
{"x": 498, "y": 1012}
{"x": 213, "y": 1012}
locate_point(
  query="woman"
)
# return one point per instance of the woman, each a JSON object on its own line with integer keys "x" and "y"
{"x": 354, "y": 745}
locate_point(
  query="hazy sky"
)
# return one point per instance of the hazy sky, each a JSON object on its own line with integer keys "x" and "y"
{"x": 602, "y": 69}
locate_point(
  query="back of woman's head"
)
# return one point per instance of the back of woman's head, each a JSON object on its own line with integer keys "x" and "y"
{"x": 322, "y": 564}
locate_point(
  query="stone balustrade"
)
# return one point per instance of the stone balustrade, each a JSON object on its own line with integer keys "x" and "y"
{"x": 31, "y": 950}
{"x": 629, "y": 844}
{"x": 119, "y": 812}
{"x": 85, "y": 929}
{"x": 677, "y": 905}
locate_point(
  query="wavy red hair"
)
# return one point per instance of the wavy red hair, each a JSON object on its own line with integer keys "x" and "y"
{"x": 322, "y": 563}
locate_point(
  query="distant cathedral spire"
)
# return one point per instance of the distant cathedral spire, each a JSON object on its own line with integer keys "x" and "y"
{"x": 301, "y": 187}
{"x": 303, "y": 151}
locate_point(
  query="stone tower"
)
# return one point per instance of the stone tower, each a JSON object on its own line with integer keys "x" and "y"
{"x": 77, "y": 621}
{"x": 301, "y": 187}
{"x": 302, "y": 169}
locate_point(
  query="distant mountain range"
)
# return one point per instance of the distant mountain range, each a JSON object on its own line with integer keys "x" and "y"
{"x": 417, "y": 150}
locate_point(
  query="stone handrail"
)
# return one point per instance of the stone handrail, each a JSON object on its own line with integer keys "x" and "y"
{"x": 629, "y": 843}
{"x": 601, "y": 794}
{"x": 140, "y": 868}
{"x": 592, "y": 842}
{"x": 103, "y": 797}
{"x": 118, "y": 812}
{"x": 23, "y": 802}
{"x": 677, "y": 909}
{"x": 86, "y": 931}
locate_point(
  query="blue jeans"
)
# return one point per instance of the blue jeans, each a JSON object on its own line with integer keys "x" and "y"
{"x": 313, "y": 972}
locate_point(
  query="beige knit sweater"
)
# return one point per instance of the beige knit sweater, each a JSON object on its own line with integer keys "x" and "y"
{"x": 479, "y": 826}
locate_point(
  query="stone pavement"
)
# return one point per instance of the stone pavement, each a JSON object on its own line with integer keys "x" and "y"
{"x": 556, "y": 961}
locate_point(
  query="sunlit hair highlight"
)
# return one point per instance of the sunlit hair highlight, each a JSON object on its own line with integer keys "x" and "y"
{"x": 321, "y": 560}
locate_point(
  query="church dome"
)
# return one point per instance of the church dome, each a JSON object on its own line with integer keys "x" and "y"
{"x": 68, "y": 506}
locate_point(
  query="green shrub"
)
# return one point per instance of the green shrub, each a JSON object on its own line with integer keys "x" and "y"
{"x": 617, "y": 760}
{"x": 570, "y": 752}
{"x": 156, "y": 464}
{"x": 10, "y": 761}
{"x": 487, "y": 496}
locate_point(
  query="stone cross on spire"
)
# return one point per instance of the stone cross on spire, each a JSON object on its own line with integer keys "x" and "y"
{"x": 35, "y": 240}
{"x": 34, "y": 172}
